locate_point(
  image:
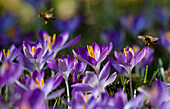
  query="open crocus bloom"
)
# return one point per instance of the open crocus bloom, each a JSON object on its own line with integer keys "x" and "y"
{"x": 93, "y": 55}
{"x": 53, "y": 43}
{"x": 128, "y": 60}
{"x": 96, "y": 83}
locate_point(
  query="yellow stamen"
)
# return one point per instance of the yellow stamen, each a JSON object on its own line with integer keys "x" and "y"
{"x": 90, "y": 51}
{"x": 38, "y": 83}
{"x": 126, "y": 52}
{"x": 42, "y": 82}
{"x": 54, "y": 37}
{"x": 49, "y": 43}
{"x": 6, "y": 54}
{"x": 45, "y": 36}
{"x": 167, "y": 36}
{"x": 86, "y": 99}
{"x": 33, "y": 51}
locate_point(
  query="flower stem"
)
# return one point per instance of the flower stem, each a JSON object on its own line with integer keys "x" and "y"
{"x": 68, "y": 94}
{"x": 131, "y": 90}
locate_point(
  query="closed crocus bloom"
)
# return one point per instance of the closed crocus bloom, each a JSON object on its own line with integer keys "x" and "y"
{"x": 165, "y": 40}
{"x": 114, "y": 36}
{"x": 93, "y": 55}
{"x": 135, "y": 24}
{"x": 70, "y": 24}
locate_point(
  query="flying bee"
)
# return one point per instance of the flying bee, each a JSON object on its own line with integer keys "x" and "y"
{"x": 148, "y": 40}
{"x": 47, "y": 16}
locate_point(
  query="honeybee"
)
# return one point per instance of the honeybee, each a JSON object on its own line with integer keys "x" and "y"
{"x": 148, "y": 40}
{"x": 47, "y": 16}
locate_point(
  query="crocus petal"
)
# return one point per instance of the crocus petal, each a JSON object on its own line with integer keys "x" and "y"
{"x": 140, "y": 56}
{"x": 102, "y": 56}
{"x": 55, "y": 94}
{"x": 72, "y": 42}
{"x": 27, "y": 53}
{"x": 129, "y": 59}
{"x": 84, "y": 87}
{"x": 119, "y": 58}
{"x": 57, "y": 81}
{"x": 61, "y": 40}
{"x": 53, "y": 65}
{"x": 135, "y": 102}
{"x": 47, "y": 88}
{"x": 91, "y": 78}
{"x": 62, "y": 66}
{"x": 41, "y": 34}
{"x": 81, "y": 58}
{"x": 49, "y": 56}
{"x": 38, "y": 53}
{"x": 104, "y": 72}
{"x": 96, "y": 49}
{"x": 111, "y": 79}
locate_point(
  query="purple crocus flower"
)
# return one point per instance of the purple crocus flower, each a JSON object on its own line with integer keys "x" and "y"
{"x": 64, "y": 66}
{"x": 94, "y": 83}
{"x": 56, "y": 43}
{"x": 165, "y": 40}
{"x": 84, "y": 101}
{"x": 135, "y": 24}
{"x": 6, "y": 21}
{"x": 93, "y": 55}
{"x": 128, "y": 60}
{"x": 69, "y": 25}
{"x": 120, "y": 101}
{"x": 36, "y": 54}
{"x": 162, "y": 15}
{"x": 10, "y": 72}
{"x": 37, "y": 81}
{"x": 148, "y": 58}
{"x": 10, "y": 54}
{"x": 78, "y": 70}
{"x": 158, "y": 95}
{"x": 114, "y": 36}
{"x": 30, "y": 100}
{"x": 13, "y": 36}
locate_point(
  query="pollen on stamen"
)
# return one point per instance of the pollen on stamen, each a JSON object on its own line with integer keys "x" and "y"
{"x": 54, "y": 37}
{"x": 90, "y": 51}
{"x": 33, "y": 51}
{"x": 38, "y": 83}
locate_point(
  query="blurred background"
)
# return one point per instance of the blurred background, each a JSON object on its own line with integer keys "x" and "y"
{"x": 101, "y": 21}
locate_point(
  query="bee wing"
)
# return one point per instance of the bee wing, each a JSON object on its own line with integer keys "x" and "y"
{"x": 154, "y": 39}
{"x": 141, "y": 37}
{"x": 50, "y": 10}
